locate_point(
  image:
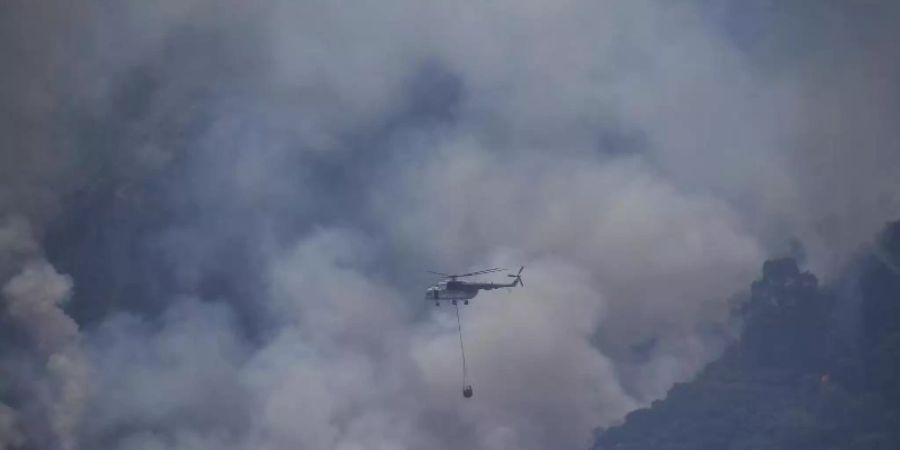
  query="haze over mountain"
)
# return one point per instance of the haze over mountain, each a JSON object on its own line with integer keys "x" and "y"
{"x": 816, "y": 367}
{"x": 215, "y": 216}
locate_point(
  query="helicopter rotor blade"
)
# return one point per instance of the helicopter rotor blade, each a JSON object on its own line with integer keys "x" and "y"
{"x": 495, "y": 269}
{"x": 479, "y": 272}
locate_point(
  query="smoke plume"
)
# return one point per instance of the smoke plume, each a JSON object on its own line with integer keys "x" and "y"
{"x": 216, "y": 216}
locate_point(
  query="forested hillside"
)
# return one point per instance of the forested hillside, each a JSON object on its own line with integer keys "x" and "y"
{"x": 817, "y": 367}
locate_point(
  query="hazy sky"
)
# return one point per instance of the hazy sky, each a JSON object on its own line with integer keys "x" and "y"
{"x": 216, "y": 216}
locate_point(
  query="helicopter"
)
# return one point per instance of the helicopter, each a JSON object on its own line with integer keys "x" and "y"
{"x": 453, "y": 290}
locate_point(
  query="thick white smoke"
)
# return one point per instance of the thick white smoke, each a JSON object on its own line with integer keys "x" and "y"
{"x": 638, "y": 157}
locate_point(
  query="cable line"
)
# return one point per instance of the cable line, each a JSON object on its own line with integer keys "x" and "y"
{"x": 467, "y": 389}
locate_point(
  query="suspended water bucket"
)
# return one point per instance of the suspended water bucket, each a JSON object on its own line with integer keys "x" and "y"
{"x": 467, "y": 391}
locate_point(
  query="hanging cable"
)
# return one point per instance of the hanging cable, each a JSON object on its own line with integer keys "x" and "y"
{"x": 467, "y": 390}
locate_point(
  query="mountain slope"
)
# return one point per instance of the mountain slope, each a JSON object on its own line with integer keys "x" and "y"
{"x": 815, "y": 368}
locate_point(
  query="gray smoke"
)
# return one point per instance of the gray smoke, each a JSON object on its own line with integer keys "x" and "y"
{"x": 51, "y": 366}
{"x": 238, "y": 201}
{"x": 10, "y": 436}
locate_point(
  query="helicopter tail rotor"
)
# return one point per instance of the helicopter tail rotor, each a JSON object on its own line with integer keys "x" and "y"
{"x": 518, "y": 277}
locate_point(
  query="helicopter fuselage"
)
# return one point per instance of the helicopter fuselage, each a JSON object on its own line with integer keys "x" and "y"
{"x": 454, "y": 290}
